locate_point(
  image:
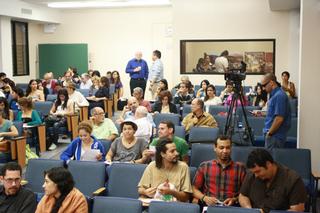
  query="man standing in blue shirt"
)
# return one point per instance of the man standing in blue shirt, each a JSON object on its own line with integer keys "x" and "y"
{"x": 156, "y": 73}
{"x": 278, "y": 118}
{"x": 138, "y": 70}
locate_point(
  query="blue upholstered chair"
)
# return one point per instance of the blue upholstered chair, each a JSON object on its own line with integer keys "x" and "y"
{"x": 116, "y": 205}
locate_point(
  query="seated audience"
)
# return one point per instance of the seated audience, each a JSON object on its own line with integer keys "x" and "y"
{"x": 210, "y": 98}
{"x": 163, "y": 86}
{"x": 74, "y": 75}
{"x": 16, "y": 94}
{"x": 63, "y": 106}
{"x": 206, "y": 184}
{"x": 197, "y": 117}
{"x": 96, "y": 82}
{"x": 228, "y": 101}
{"x": 33, "y": 91}
{"x": 145, "y": 126}
{"x": 97, "y": 100}
{"x": 129, "y": 110}
{"x": 166, "y": 130}
{"x": 138, "y": 94}
{"x": 14, "y": 197}
{"x": 227, "y": 91}
{"x": 203, "y": 86}
{"x": 115, "y": 79}
{"x": 44, "y": 90}
{"x": 27, "y": 114}
{"x": 86, "y": 82}
{"x": 182, "y": 96}
{"x": 261, "y": 97}
{"x": 165, "y": 104}
{"x": 48, "y": 82}
{"x": 271, "y": 186}
{"x": 76, "y": 97}
{"x": 82, "y": 144}
{"x": 129, "y": 148}
{"x": 287, "y": 85}
{"x": 166, "y": 178}
{"x": 8, "y": 84}
{"x": 207, "y": 65}
{"x": 96, "y": 73}
{"x": 4, "y": 106}
{"x": 103, "y": 128}
{"x": 109, "y": 75}
{"x": 60, "y": 195}
{"x": 7, "y": 129}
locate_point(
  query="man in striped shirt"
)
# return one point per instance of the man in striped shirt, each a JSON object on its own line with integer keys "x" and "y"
{"x": 218, "y": 182}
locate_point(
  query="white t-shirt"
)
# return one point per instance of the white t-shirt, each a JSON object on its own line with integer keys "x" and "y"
{"x": 221, "y": 63}
{"x": 212, "y": 102}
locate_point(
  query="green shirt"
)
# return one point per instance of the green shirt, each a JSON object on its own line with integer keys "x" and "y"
{"x": 105, "y": 129}
{"x": 181, "y": 145}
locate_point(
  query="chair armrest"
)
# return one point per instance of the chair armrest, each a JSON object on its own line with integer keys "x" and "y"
{"x": 99, "y": 191}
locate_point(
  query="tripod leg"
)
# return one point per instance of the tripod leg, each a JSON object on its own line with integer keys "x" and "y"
{"x": 247, "y": 126}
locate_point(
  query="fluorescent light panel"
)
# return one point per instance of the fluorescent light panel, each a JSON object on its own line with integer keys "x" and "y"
{"x": 109, "y": 4}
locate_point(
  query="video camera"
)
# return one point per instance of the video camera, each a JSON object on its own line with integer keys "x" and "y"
{"x": 236, "y": 74}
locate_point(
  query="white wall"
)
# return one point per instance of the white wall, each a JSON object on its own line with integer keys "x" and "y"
{"x": 231, "y": 19}
{"x": 309, "y": 128}
{"x": 113, "y": 36}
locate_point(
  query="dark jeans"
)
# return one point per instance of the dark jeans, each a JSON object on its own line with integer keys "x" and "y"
{"x": 138, "y": 83}
{"x": 272, "y": 142}
{"x": 53, "y": 130}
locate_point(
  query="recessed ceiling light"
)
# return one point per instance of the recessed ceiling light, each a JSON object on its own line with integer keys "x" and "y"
{"x": 109, "y": 4}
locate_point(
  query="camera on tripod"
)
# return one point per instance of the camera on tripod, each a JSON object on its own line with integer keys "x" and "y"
{"x": 236, "y": 74}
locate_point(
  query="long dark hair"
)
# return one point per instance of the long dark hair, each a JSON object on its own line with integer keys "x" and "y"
{"x": 64, "y": 92}
{"x": 105, "y": 81}
{"x": 6, "y": 107}
{"x": 161, "y": 148}
{"x": 206, "y": 97}
{"x": 28, "y": 91}
{"x": 65, "y": 183}
{"x": 165, "y": 82}
{"x": 115, "y": 81}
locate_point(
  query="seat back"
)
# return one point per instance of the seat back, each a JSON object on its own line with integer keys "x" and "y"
{"x": 186, "y": 109}
{"x": 85, "y": 92}
{"x": 106, "y": 144}
{"x": 203, "y": 134}
{"x": 215, "y": 110}
{"x": 88, "y": 175}
{"x": 192, "y": 171}
{"x": 19, "y": 126}
{"x": 294, "y": 107}
{"x": 177, "y": 207}
{"x": 51, "y": 97}
{"x": 240, "y": 153}
{"x": 294, "y": 159}
{"x": 43, "y": 108}
{"x": 219, "y": 89}
{"x": 201, "y": 153}
{"x": 124, "y": 179}
{"x": 293, "y": 128}
{"x": 221, "y": 120}
{"x": 179, "y": 131}
{"x": 257, "y": 124}
{"x": 216, "y": 209}
{"x": 116, "y": 205}
{"x": 174, "y": 118}
{"x": 35, "y": 172}
{"x": 112, "y": 90}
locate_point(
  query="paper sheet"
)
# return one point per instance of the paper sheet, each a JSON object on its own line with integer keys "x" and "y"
{"x": 90, "y": 155}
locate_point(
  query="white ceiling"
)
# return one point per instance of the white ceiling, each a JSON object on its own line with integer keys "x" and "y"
{"x": 275, "y": 5}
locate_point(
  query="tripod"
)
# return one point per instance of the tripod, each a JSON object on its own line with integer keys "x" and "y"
{"x": 231, "y": 118}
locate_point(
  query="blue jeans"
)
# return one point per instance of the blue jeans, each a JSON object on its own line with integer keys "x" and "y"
{"x": 272, "y": 142}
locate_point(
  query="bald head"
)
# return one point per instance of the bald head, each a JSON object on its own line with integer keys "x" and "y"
{"x": 138, "y": 55}
{"x": 141, "y": 112}
{"x": 269, "y": 82}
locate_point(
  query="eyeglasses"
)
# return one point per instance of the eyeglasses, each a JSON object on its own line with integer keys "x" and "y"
{"x": 101, "y": 113}
{"x": 264, "y": 85}
{"x": 10, "y": 180}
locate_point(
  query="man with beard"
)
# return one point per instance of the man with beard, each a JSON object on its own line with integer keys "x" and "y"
{"x": 166, "y": 178}
{"x": 13, "y": 197}
{"x": 271, "y": 186}
{"x": 218, "y": 182}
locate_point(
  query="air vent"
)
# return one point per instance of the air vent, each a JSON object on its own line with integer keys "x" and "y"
{"x": 26, "y": 11}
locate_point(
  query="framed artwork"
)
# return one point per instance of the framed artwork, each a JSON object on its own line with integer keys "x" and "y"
{"x": 217, "y": 56}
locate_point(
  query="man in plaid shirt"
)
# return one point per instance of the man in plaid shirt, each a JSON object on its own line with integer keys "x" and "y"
{"x": 218, "y": 182}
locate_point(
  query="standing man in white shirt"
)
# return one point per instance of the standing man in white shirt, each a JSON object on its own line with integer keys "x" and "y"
{"x": 221, "y": 63}
{"x": 155, "y": 73}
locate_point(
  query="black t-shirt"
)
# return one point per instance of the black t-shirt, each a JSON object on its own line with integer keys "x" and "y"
{"x": 22, "y": 202}
{"x": 287, "y": 189}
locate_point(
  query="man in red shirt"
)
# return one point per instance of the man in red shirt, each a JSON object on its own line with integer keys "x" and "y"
{"x": 218, "y": 182}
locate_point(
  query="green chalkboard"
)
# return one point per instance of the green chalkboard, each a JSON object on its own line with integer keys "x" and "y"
{"x": 58, "y": 57}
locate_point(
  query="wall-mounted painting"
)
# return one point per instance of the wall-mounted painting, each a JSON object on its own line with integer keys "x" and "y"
{"x": 217, "y": 56}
